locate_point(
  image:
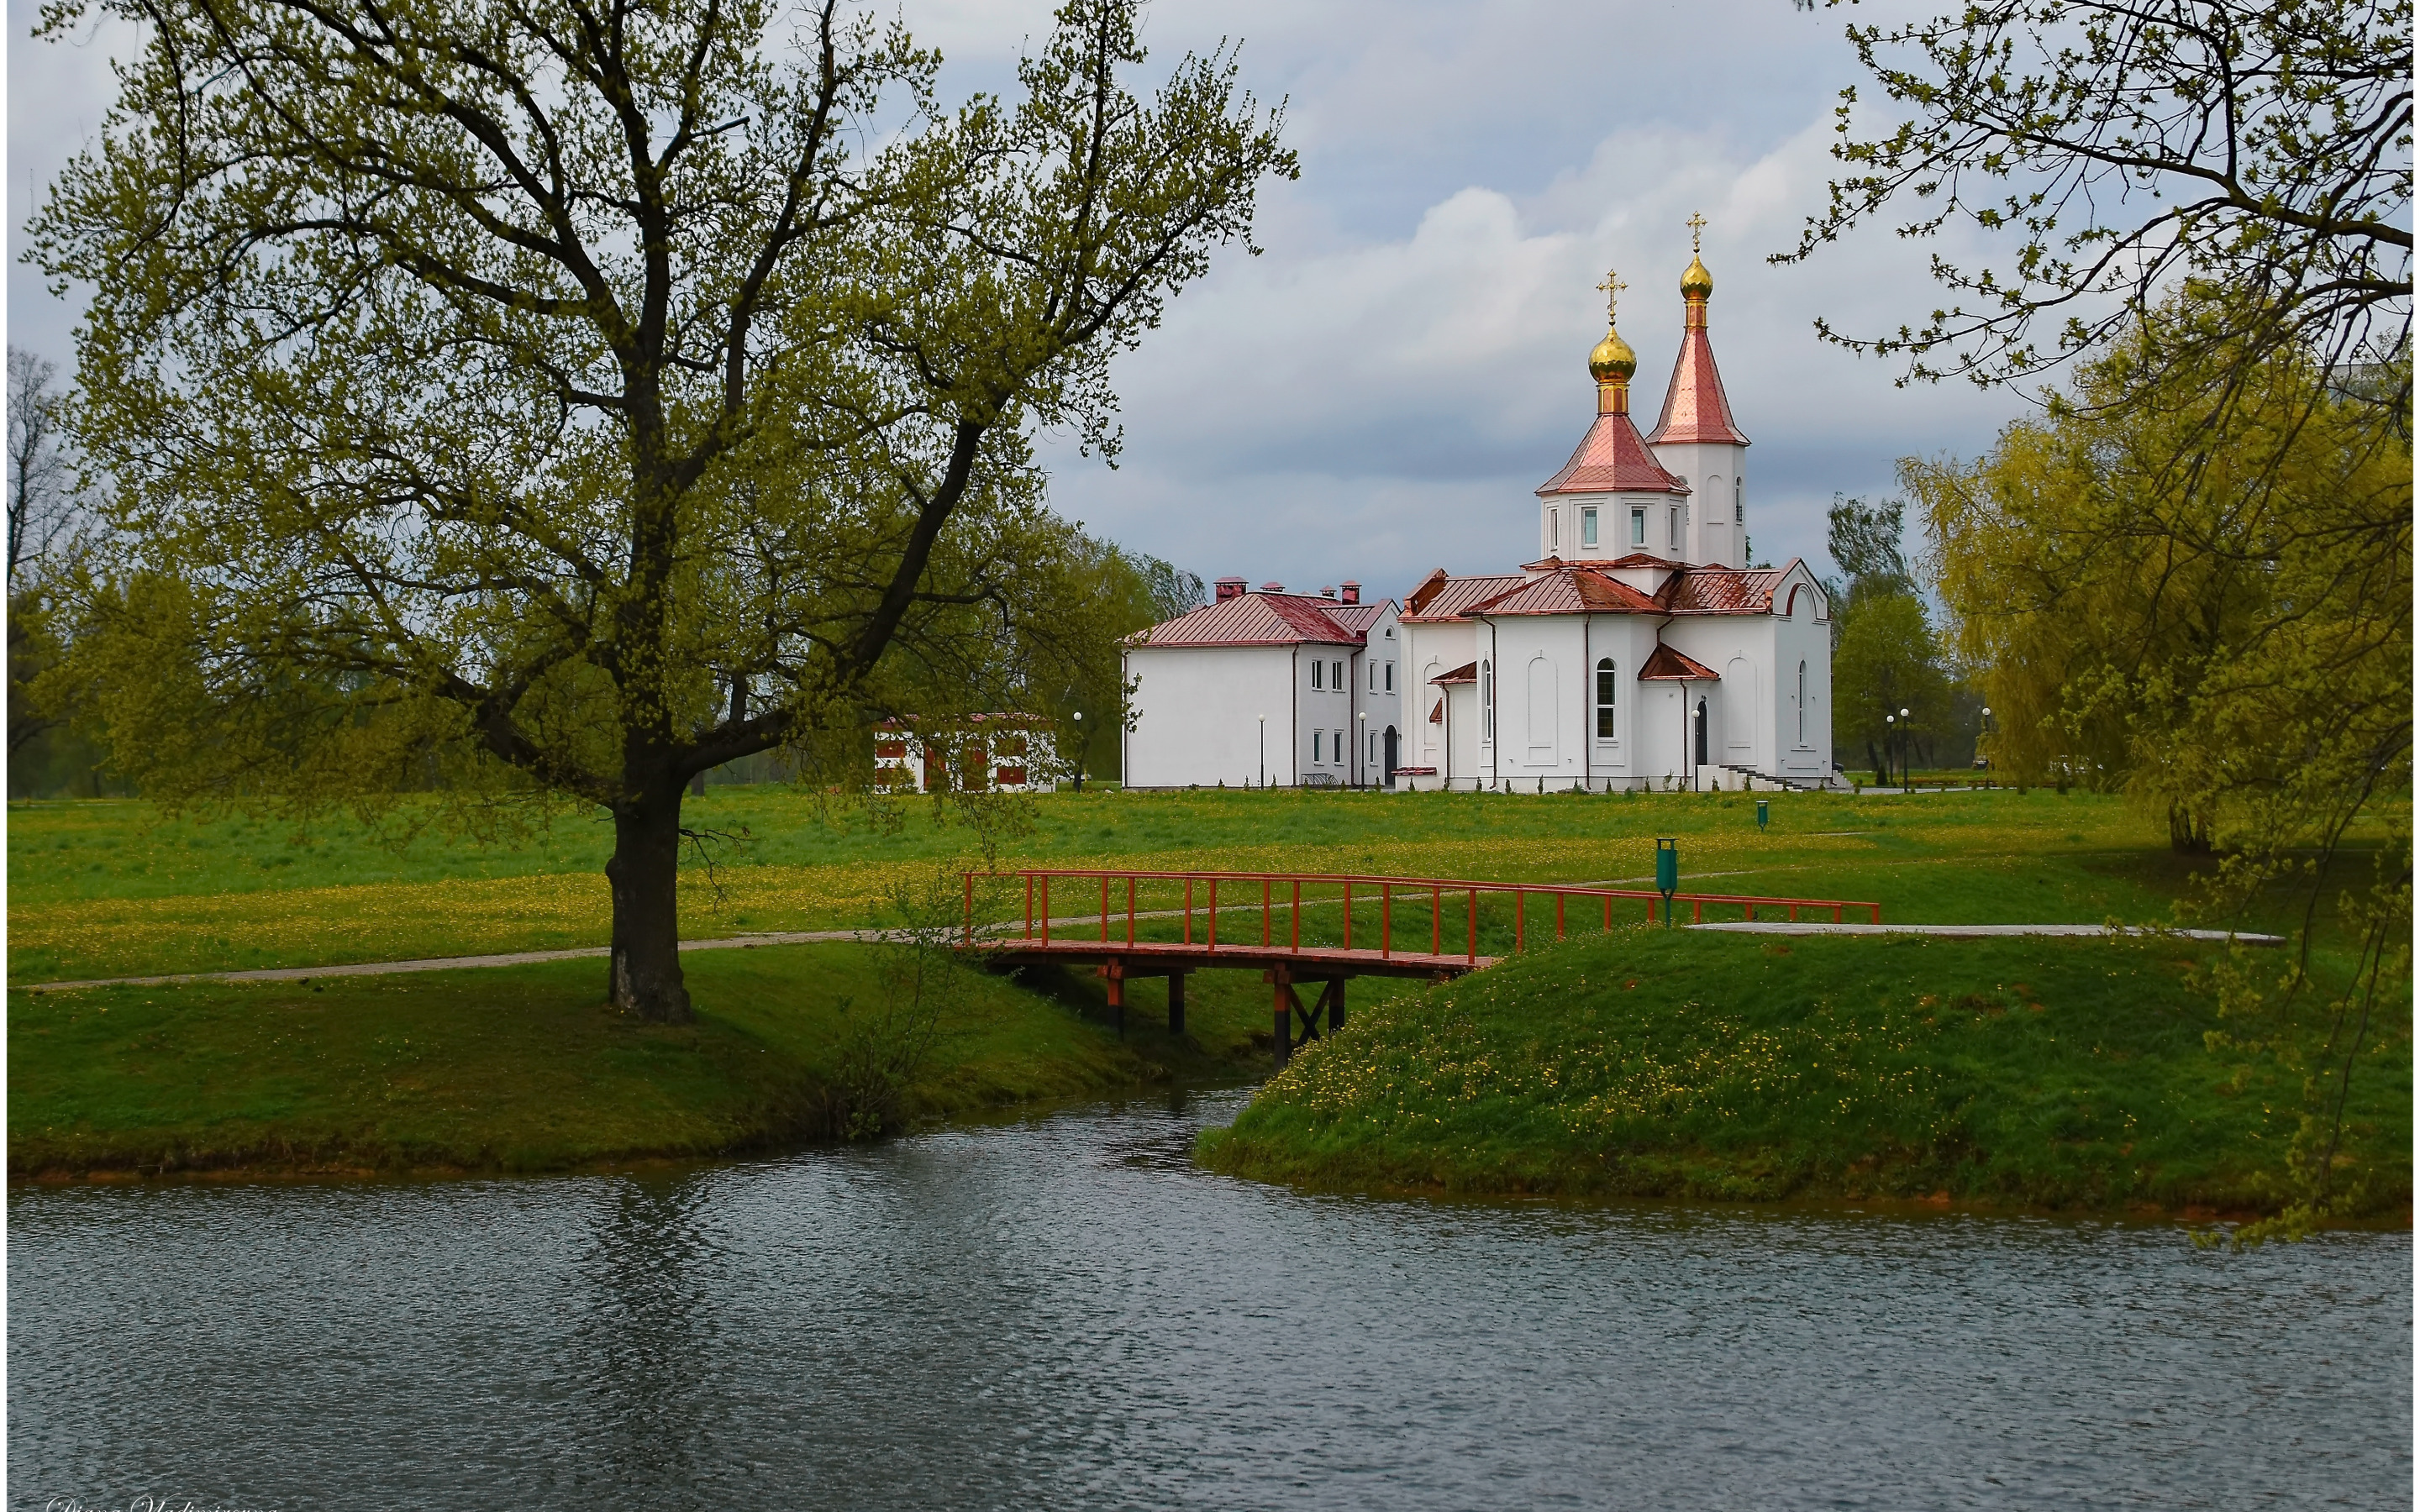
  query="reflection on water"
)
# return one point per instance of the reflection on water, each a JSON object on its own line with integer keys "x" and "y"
{"x": 1064, "y": 1312}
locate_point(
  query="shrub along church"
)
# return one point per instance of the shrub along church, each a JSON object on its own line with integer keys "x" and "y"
{"x": 1638, "y": 650}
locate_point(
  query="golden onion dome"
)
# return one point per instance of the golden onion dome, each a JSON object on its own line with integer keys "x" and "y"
{"x": 1696, "y": 283}
{"x": 1612, "y": 357}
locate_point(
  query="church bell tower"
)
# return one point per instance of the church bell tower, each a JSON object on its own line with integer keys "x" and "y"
{"x": 1695, "y": 438}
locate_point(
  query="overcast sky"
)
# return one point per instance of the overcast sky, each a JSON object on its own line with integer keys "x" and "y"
{"x": 1379, "y": 391}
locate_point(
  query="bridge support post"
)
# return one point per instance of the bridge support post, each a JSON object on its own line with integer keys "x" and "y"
{"x": 1286, "y": 1006}
{"x": 1335, "y": 996}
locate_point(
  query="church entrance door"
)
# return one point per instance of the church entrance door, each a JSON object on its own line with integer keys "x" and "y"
{"x": 1394, "y": 749}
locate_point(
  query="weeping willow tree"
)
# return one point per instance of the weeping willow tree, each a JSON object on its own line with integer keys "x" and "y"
{"x": 2228, "y": 638}
{"x": 573, "y": 396}
{"x": 2203, "y": 593}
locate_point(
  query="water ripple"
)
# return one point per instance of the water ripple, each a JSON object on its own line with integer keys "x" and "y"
{"x": 1062, "y": 1311}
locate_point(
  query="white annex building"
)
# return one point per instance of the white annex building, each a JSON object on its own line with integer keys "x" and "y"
{"x": 1638, "y": 650}
{"x": 1294, "y": 689}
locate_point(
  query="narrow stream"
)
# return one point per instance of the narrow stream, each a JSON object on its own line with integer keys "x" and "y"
{"x": 1063, "y": 1312}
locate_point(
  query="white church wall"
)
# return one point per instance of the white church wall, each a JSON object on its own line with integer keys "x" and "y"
{"x": 1740, "y": 718}
{"x": 1461, "y": 735}
{"x": 1713, "y": 535}
{"x": 1803, "y": 635}
{"x": 1539, "y": 722}
{"x": 1626, "y": 523}
{"x": 1626, "y": 642}
{"x": 1661, "y": 730}
{"x": 1430, "y": 650}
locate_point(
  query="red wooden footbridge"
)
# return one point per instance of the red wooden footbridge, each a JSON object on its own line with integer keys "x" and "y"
{"x": 1299, "y": 927}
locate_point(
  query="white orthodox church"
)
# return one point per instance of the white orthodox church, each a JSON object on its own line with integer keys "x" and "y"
{"x": 1638, "y": 650}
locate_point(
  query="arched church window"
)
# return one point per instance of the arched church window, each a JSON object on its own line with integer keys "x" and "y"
{"x": 1605, "y": 689}
{"x": 1486, "y": 700}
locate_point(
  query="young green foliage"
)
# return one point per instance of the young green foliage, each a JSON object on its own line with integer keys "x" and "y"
{"x": 2204, "y": 592}
{"x": 570, "y": 400}
{"x": 2131, "y": 146}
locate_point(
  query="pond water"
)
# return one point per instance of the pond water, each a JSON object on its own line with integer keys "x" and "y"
{"x": 1062, "y": 1311}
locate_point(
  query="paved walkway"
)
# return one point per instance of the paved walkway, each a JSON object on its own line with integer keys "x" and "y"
{"x": 867, "y": 936}
{"x": 452, "y": 963}
{"x": 1980, "y": 931}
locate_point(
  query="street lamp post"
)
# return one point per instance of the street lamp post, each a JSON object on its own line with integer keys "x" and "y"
{"x": 1890, "y": 745}
{"x": 1264, "y": 750}
{"x": 1361, "y": 757}
{"x": 1079, "y": 750}
{"x": 1985, "y": 730}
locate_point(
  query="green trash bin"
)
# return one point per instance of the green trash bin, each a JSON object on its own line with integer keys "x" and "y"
{"x": 1667, "y": 873}
{"x": 1764, "y": 813}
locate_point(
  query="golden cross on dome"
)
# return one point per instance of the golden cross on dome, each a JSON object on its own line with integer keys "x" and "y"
{"x": 1696, "y": 223}
{"x": 1613, "y": 286}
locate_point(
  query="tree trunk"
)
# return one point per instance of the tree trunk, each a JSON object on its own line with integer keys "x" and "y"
{"x": 645, "y": 976}
{"x": 2188, "y": 833}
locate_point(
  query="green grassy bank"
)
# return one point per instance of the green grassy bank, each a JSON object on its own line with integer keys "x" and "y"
{"x": 2036, "y": 1073}
{"x": 525, "y": 1069}
{"x": 522, "y": 1068}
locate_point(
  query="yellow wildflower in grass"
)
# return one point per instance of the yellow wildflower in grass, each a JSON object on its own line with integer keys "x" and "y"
{"x": 57, "y": 934}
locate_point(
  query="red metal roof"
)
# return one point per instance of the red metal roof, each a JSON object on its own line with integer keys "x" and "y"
{"x": 1722, "y": 589}
{"x": 1467, "y": 672}
{"x": 1612, "y": 459}
{"x": 1261, "y": 620}
{"x": 1669, "y": 666}
{"x": 1441, "y": 598}
{"x": 1694, "y": 407}
{"x": 1569, "y": 590}
{"x": 1358, "y": 618}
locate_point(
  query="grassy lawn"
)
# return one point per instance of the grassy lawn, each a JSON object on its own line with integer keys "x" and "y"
{"x": 109, "y": 889}
{"x": 2047, "y": 1074}
{"x": 1731, "y": 1067}
{"x": 523, "y": 1068}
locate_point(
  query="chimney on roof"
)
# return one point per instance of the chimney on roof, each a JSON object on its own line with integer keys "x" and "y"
{"x": 1352, "y": 593}
{"x": 1327, "y": 592}
{"x": 1273, "y": 587}
{"x": 1230, "y": 588}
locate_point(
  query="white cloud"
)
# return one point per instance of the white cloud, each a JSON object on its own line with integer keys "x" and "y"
{"x": 1378, "y": 395}
{"x": 1378, "y": 409}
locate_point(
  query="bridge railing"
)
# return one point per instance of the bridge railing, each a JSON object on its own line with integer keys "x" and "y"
{"x": 1113, "y": 900}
